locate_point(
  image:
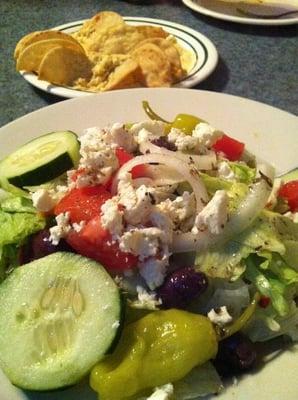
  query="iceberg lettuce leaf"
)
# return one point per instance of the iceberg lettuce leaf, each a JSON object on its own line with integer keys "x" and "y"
{"x": 15, "y": 227}
{"x": 200, "y": 381}
{"x": 243, "y": 173}
{"x": 269, "y": 233}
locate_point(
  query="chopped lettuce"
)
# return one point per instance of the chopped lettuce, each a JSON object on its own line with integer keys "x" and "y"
{"x": 270, "y": 233}
{"x": 266, "y": 324}
{"x": 243, "y": 173}
{"x": 236, "y": 191}
{"x": 18, "y": 204}
{"x": 18, "y": 220}
{"x": 268, "y": 284}
{"x": 201, "y": 381}
{"x": 15, "y": 227}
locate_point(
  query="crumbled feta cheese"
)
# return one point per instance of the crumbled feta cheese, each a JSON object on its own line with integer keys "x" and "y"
{"x": 144, "y": 242}
{"x": 163, "y": 221}
{"x": 201, "y": 139}
{"x": 183, "y": 142}
{"x": 77, "y": 227}
{"x": 225, "y": 171}
{"x": 146, "y": 300}
{"x": 206, "y": 134}
{"x": 214, "y": 216}
{"x": 112, "y": 217}
{"x": 122, "y": 138}
{"x": 60, "y": 230}
{"x": 181, "y": 211}
{"x": 42, "y": 200}
{"x": 137, "y": 203}
{"x": 153, "y": 270}
{"x": 98, "y": 159}
{"x": 142, "y": 131}
{"x": 220, "y": 316}
{"x": 164, "y": 392}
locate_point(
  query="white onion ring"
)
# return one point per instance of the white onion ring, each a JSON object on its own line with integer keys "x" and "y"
{"x": 204, "y": 162}
{"x": 189, "y": 174}
{"x": 248, "y": 210}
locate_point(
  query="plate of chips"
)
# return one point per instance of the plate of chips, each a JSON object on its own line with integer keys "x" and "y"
{"x": 110, "y": 52}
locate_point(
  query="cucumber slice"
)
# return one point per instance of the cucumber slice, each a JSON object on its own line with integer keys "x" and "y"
{"x": 41, "y": 160}
{"x": 59, "y": 315}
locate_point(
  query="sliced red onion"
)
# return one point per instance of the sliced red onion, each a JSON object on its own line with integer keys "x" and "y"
{"x": 204, "y": 162}
{"x": 248, "y": 210}
{"x": 188, "y": 172}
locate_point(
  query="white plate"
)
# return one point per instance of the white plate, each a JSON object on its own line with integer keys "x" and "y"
{"x": 203, "y": 54}
{"x": 228, "y": 12}
{"x": 267, "y": 131}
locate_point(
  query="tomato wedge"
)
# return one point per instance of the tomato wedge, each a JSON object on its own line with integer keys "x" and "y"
{"x": 289, "y": 192}
{"x": 123, "y": 157}
{"x": 95, "y": 242}
{"x": 83, "y": 204}
{"x": 231, "y": 148}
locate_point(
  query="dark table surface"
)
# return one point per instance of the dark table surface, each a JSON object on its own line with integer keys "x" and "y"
{"x": 257, "y": 62}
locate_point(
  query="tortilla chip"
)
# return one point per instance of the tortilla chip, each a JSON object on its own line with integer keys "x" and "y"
{"x": 41, "y": 35}
{"x": 98, "y": 26}
{"x": 31, "y": 57}
{"x": 63, "y": 65}
{"x": 149, "y": 31}
{"x": 154, "y": 64}
{"x": 171, "y": 53}
{"x": 127, "y": 75}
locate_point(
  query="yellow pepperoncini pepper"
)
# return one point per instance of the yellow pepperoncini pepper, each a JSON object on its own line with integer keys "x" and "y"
{"x": 184, "y": 122}
{"x": 161, "y": 347}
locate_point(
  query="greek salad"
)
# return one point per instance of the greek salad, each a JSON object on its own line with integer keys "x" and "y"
{"x": 153, "y": 256}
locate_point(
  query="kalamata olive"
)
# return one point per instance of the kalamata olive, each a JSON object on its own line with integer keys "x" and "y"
{"x": 235, "y": 354}
{"x": 181, "y": 287}
{"x": 40, "y": 246}
{"x": 163, "y": 142}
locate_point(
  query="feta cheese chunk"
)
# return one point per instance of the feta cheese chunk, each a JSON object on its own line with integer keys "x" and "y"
{"x": 164, "y": 392}
{"x": 201, "y": 139}
{"x": 60, "y": 230}
{"x": 153, "y": 270}
{"x": 144, "y": 242}
{"x": 98, "y": 159}
{"x": 220, "y": 316}
{"x": 137, "y": 203}
{"x": 147, "y": 130}
{"x": 183, "y": 142}
{"x": 146, "y": 300}
{"x": 225, "y": 171}
{"x": 214, "y": 216}
{"x": 42, "y": 200}
{"x": 206, "y": 134}
{"x": 180, "y": 211}
{"x": 122, "y": 138}
{"x": 112, "y": 217}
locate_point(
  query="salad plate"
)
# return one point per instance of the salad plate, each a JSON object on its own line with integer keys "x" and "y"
{"x": 271, "y": 134}
{"x": 202, "y": 54}
{"x": 232, "y": 12}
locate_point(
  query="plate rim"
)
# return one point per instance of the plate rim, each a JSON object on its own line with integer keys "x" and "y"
{"x": 205, "y": 69}
{"x": 238, "y": 19}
